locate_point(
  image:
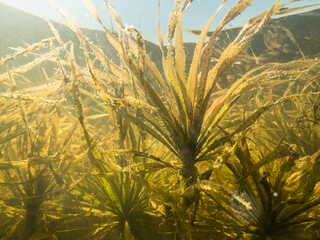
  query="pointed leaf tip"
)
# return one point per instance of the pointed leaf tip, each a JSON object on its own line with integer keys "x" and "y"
{"x": 114, "y": 14}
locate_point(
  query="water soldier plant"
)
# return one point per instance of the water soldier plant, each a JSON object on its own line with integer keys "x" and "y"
{"x": 183, "y": 109}
{"x": 37, "y": 152}
{"x": 170, "y": 151}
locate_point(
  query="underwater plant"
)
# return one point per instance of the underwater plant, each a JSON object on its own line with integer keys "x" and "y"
{"x": 138, "y": 150}
{"x": 36, "y": 156}
{"x": 297, "y": 126}
{"x": 183, "y": 109}
{"x": 273, "y": 195}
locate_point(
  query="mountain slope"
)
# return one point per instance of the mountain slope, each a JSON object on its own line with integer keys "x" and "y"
{"x": 283, "y": 39}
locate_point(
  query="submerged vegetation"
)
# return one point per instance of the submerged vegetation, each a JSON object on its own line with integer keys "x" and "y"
{"x": 132, "y": 150}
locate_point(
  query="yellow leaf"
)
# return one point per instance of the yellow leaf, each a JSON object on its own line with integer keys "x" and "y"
{"x": 114, "y": 14}
{"x": 92, "y": 10}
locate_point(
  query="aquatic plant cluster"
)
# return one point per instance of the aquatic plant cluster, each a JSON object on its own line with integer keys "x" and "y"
{"x": 134, "y": 150}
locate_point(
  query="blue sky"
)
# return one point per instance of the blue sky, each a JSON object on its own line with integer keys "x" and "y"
{"x": 143, "y": 13}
